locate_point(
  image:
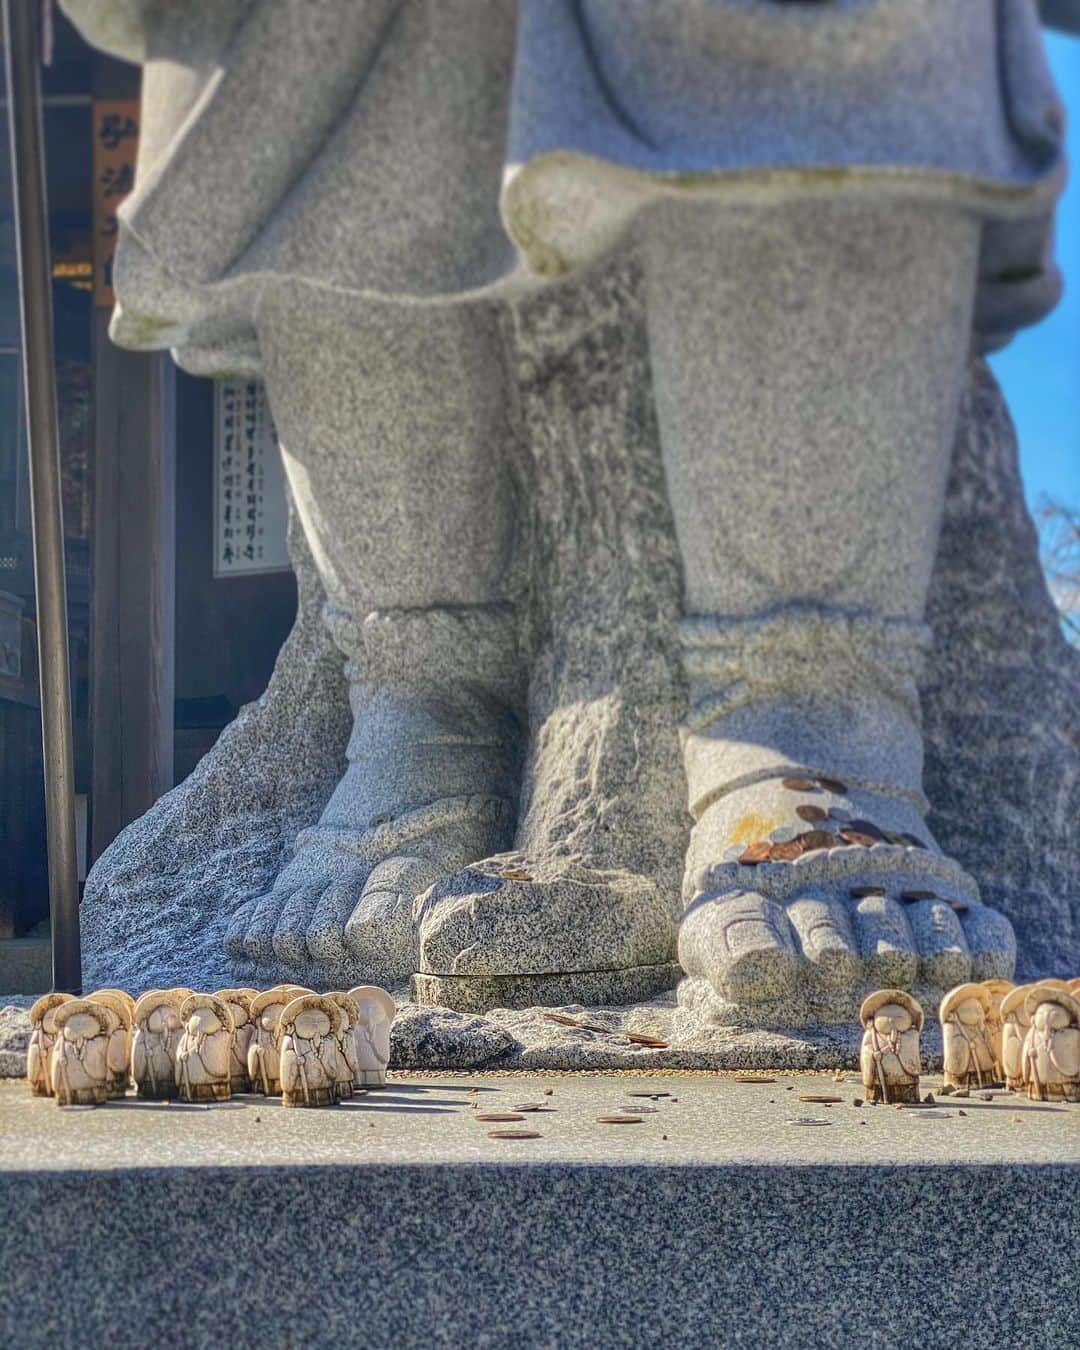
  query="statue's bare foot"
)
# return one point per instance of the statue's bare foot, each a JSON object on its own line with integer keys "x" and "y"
{"x": 804, "y": 891}
{"x": 517, "y": 931}
{"x": 428, "y": 790}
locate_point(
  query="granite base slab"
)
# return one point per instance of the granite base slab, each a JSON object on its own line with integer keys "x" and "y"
{"x": 714, "y": 1220}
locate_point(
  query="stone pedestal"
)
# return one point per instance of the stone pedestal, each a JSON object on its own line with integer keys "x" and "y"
{"x": 396, "y": 1221}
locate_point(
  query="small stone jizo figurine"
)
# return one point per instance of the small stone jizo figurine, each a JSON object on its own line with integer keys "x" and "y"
{"x": 1052, "y": 1045}
{"x": 80, "y": 1057}
{"x": 347, "y": 1062}
{"x": 310, "y": 1030}
{"x": 969, "y": 1055}
{"x": 42, "y": 1040}
{"x": 121, "y": 1007}
{"x": 155, "y": 1044}
{"x": 997, "y": 989}
{"x": 1015, "y": 1024}
{"x": 204, "y": 1053}
{"x": 264, "y": 1061}
{"x": 377, "y": 1011}
{"x": 238, "y": 1002}
{"x": 890, "y": 1048}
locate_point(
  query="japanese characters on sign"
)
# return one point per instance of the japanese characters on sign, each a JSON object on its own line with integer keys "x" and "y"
{"x": 116, "y": 141}
{"x": 250, "y": 512}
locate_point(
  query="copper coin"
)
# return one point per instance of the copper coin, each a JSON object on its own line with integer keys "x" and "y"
{"x": 810, "y": 812}
{"x": 814, "y": 839}
{"x": 833, "y": 785}
{"x": 756, "y": 853}
{"x": 797, "y": 784}
{"x": 867, "y": 827}
{"x": 651, "y": 1042}
{"x": 494, "y": 1116}
{"x": 618, "y": 1120}
{"x": 528, "y": 1106}
{"x": 751, "y": 1078}
{"x": 562, "y": 1020}
{"x": 785, "y": 852}
{"x": 819, "y": 1097}
{"x": 515, "y": 874}
{"x": 861, "y": 892}
{"x": 918, "y": 895}
{"x": 648, "y": 1092}
{"x": 514, "y": 1134}
{"x": 857, "y": 837}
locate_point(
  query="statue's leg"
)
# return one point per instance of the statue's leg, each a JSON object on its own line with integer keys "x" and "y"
{"x": 394, "y": 423}
{"x": 809, "y": 359}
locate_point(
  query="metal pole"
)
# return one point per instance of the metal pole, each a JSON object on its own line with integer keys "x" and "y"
{"x": 23, "y": 68}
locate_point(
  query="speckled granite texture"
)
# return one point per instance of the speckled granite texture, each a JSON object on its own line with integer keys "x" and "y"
{"x": 396, "y": 1221}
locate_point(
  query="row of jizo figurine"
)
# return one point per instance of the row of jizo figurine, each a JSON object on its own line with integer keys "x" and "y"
{"x": 311, "y": 1049}
{"x": 1025, "y": 1036}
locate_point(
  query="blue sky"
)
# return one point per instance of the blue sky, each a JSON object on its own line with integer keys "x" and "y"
{"x": 1040, "y": 369}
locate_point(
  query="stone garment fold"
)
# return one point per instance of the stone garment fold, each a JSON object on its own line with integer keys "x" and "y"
{"x": 619, "y": 103}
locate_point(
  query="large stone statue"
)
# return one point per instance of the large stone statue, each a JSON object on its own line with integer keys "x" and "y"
{"x": 817, "y": 216}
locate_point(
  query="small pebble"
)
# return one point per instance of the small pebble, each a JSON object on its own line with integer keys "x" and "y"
{"x": 961, "y": 1113}
{"x": 857, "y": 1101}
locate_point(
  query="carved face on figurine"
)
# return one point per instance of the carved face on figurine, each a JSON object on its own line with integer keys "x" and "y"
{"x": 310, "y": 1051}
{"x": 80, "y": 1068}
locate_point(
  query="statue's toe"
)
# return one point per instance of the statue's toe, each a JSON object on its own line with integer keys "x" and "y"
{"x": 262, "y": 925}
{"x": 236, "y": 932}
{"x": 944, "y": 957}
{"x": 827, "y": 940}
{"x": 742, "y": 942}
{"x": 290, "y": 934}
{"x": 378, "y": 933}
{"x": 991, "y": 941}
{"x": 325, "y": 937}
{"x": 886, "y": 942}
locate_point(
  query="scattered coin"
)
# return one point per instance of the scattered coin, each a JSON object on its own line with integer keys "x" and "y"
{"x": 833, "y": 785}
{"x": 797, "y": 784}
{"x": 493, "y": 1116}
{"x": 862, "y": 892}
{"x": 852, "y": 836}
{"x": 815, "y": 839}
{"x": 618, "y": 1120}
{"x": 867, "y": 827}
{"x": 527, "y": 1106}
{"x": 819, "y": 1098}
{"x": 515, "y": 874}
{"x": 810, "y": 812}
{"x": 753, "y": 1078}
{"x": 514, "y": 1134}
{"x": 634, "y": 1107}
{"x": 808, "y": 1120}
{"x": 651, "y": 1042}
{"x": 562, "y": 1020}
{"x": 757, "y": 853}
{"x": 786, "y": 852}
{"x": 648, "y": 1092}
{"x": 918, "y": 895}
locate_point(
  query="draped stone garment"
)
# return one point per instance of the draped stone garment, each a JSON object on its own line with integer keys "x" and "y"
{"x": 359, "y": 143}
{"x": 619, "y": 102}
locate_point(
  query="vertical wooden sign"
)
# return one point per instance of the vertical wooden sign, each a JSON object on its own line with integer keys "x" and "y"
{"x": 116, "y": 141}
